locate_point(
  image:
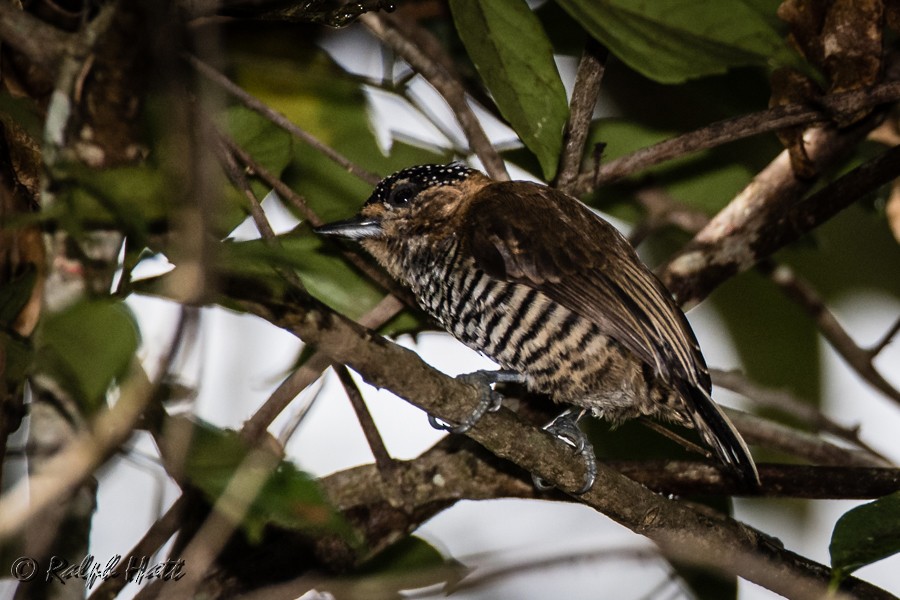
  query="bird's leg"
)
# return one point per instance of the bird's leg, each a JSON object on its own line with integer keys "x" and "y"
{"x": 565, "y": 428}
{"x": 490, "y": 400}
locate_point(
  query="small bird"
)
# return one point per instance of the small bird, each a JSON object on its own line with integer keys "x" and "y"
{"x": 533, "y": 279}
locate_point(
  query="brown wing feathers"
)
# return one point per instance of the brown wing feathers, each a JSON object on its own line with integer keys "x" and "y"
{"x": 582, "y": 265}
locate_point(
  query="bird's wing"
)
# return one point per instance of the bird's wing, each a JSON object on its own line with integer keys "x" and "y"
{"x": 540, "y": 237}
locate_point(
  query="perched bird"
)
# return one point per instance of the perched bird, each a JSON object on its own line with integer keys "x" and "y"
{"x": 536, "y": 281}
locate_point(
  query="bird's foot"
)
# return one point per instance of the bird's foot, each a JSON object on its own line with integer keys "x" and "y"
{"x": 490, "y": 400}
{"x": 565, "y": 428}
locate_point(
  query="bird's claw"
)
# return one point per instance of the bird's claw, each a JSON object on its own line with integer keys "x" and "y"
{"x": 490, "y": 400}
{"x": 565, "y": 428}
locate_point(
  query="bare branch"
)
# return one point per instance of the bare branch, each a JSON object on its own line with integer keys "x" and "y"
{"x": 581, "y": 109}
{"x": 729, "y": 130}
{"x": 393, "y": 30}
{"x": 787, "y": 404}
{"x": 801, "y": 292}
{"x": 672, "y": 525}
{"x": 769, "y": 214}
{"x": 383, "y": 459}
{"x": 280, "y": 120}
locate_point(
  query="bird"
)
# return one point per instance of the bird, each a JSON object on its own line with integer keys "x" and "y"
{"x": 533, "y": 279}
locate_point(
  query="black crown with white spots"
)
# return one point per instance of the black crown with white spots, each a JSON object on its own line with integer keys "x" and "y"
{"x": 420, "y": 176}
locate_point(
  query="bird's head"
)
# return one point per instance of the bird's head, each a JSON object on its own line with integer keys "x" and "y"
{"x": 415, "y": 201}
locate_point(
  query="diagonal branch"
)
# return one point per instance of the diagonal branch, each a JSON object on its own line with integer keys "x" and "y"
{"x": 394, "y": 31}
{"x": 768, "y": 214}
{"x": 730, "y": 130}
{"x": 674, "y": 526}
{"x": 801, "y": 292}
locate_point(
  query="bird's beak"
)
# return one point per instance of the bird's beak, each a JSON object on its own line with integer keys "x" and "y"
{"x": 354, "y": 228}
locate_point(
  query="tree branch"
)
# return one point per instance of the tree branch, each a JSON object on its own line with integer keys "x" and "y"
{"x": 730, "y": 130}
{"x": 581, "y": 110}
{"x": 393, "y": 31}
{"x": 768, "y": 214}
{"x": 674, "y": 526}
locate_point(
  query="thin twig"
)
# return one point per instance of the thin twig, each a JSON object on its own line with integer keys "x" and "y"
{"x": 775, "y": 436}
{"x": 883, "y": 343}
{"x": 393, "y": 30}
{"x": 239, "y": 180}
{"x": 801, "y": 292}
{"x": 383, "y": 459}
{"x": 256, "y": 426}
{"x": 280, "y": 120}
{"x": 581, "y": 109}
{"x": 730, "y": 130}
{"x": 787, "y": 404}
{"x": 153, "y": 539}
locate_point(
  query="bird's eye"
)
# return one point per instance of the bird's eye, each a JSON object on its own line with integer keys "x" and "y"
{"x": 402, "y": 194}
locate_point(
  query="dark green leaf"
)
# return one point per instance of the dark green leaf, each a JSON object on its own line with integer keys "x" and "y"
{"x": 866, "y": 534}
{"x": 411, "y": 563}
{"x": 410, "y": 553}
{"x": 325, "y": 274}
{"x": 133, "y": 198}
{"x": 671, "y": 41}
{"x": 288, "y": 497}
{"x": 269, "y": 145}
{"x": 14, "y": 294}
{"x": 514, "y": 58}
{"x": 87, "y": 346}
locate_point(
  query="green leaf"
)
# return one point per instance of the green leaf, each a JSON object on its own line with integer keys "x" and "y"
{"x": 14, "y": 294}
{"x": 866, "y": 534}
{"x": 133, "y": 198}
{"x": 269, "y": 145}
{"x": 86, "y": 347}
{"x": 288, "y": 497}
{"x": 411, "y": 563}
{"x": 324, "y": 273}
{"x": 409, "y": 554}
{"x": 515, "y": 59}
{"x": 671, "y": 41}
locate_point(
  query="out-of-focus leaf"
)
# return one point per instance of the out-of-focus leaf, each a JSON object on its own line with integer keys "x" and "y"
{"x": 772, "y": 335}
{"x": 289, "y": 498}
{"x": 14, "y": 294}
{"x": 324, "y": 274}
{"x": 268, "y": 144}
{"x": 410, "y": 553}
{"x": 328, "y": 103}
{"x": 514, "y": 58}
{"x": 135, "y": 198}
{"x": 86, "y": 347}
{"x": 17, "y": 355}
{"x": 671, "y": 41}
{"x": 411, "y": 563}
{"x": 866, "y": 534}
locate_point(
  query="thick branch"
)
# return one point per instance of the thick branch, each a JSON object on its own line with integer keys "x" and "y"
{"x": 674, "y": 526}
{"x": 767, "y": 214}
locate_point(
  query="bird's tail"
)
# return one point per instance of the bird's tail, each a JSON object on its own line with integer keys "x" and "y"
{"x": 717, "y": 431}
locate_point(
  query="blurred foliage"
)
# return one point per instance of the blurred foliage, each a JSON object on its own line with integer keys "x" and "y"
{"x": 219, "y": 459}
{"x": 86, "y": 347}
{"x": 675, "y": 65}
